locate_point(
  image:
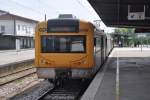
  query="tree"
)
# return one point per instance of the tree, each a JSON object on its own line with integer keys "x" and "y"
{"x": 124, "y": 30}
{"x": 125, "y": 35}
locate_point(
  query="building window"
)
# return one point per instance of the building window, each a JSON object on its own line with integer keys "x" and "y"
{"x": 22, "y": 27}
{"x": 19, "y": 27}
{"x": 2, "y": 29}
{"x": 26, "y": 29}
{"x": 29, "y": 31}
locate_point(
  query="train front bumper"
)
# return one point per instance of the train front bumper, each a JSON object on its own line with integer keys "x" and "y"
{"x": 52, "y": 73}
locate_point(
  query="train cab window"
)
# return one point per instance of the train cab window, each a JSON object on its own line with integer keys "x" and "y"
{"x": 63, "y": 44}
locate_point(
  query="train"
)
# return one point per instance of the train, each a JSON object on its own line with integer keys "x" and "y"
{"x": 69, "y": 49}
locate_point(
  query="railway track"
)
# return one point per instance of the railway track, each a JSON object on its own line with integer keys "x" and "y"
{"x": 70, "y": 90}
{"x": 5, "y": 79}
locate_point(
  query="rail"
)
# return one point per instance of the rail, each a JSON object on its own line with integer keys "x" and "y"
{"x": 12, "y": 72}
{"x": 70, "y": 90}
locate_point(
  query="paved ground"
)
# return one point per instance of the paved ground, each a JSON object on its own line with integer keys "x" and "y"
{"x": 10, "y": 56}
{"x": 132, "y": 81}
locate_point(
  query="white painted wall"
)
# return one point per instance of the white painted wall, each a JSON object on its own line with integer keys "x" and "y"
{"x": 9, "y": 26}
{"x": 26, "y": 28}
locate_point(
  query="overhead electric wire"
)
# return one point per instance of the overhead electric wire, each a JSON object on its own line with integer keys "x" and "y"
{"x": 84, "y": 7}
{"x": 27, "y": 7}
{"x": 80, "y": 3}
{"x": 47, "y": 5}
{"x": 24, "y": 6}
{"x": 97, "y": 22}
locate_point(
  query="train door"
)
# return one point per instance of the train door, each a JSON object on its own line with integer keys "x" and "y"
{"x": 109, "y": 42}
{"x": 105, "y": 46}
{"x": 97, "y": 49}
{"x": 102, "y": 49}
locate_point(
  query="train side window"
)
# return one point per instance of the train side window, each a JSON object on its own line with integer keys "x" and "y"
{"x": 102, "y": 42}
{"x": 98, "y": 43}
{"x": 94, "y": 42}
{"x": 106, "y": 42}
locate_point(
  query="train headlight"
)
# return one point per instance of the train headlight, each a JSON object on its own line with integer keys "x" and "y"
{"x": 80, "y": 62}
{"x": 84, "y": 62}
{"x": 43, "y": 61}
{"x": 46, "y": 62}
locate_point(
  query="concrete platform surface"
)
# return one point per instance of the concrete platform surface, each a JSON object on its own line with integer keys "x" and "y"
{"x": 125, "y": 76}
{"x": 12, "y": 56}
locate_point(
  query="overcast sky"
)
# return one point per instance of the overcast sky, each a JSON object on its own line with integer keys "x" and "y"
{"x": 36, "y": 9}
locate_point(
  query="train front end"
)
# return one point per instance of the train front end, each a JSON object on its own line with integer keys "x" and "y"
{"x": 63, "y": 48}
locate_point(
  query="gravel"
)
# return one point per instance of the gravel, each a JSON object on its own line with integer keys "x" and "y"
{"x": 16, "y": 87}
{"x": 34, "y": 92}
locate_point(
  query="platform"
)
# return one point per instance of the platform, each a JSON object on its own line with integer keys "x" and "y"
{"x": 12, "y": 56}
{"x": 125, "y": 76}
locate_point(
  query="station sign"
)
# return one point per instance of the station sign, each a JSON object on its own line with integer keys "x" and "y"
{"x": 136, "y": 12}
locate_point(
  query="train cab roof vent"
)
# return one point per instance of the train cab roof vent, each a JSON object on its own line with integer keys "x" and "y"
{"x": 66, "y": 16}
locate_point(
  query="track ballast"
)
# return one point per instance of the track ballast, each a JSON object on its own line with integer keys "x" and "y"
{"x": 70, "y": 90}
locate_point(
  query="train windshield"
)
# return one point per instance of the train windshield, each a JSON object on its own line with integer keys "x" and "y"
{"x": 63, "y": 44}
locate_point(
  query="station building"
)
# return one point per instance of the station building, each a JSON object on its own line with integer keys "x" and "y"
{"x": 16, "y": 32}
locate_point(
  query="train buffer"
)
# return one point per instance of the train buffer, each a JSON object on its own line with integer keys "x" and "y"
{"x": 125, "y": 76}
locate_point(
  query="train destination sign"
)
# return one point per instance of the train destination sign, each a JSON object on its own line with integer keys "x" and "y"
{"x": 62, "y": 29}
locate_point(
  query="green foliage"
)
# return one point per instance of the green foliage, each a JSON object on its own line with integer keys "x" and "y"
{"x": 128, "y": 38}
{"x": 123, "y": 30}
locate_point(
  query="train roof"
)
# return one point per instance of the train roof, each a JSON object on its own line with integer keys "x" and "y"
{"x": 67, "y": 21}
{"x": 98, "y": 31}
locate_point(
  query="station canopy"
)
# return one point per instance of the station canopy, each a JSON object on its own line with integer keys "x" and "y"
{"x": 123, "y": 13}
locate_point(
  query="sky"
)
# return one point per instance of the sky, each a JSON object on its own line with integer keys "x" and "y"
{"x": 36, "y": 9}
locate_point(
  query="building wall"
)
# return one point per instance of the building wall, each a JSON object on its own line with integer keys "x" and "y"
{"x": 7, "y": 43}
{"x": 26, "y": 42}
{"x": 25, "y": 28}
{"x": 9, "y": 26}
{"x": 19, "y": 31}
{"x": 25, "y": 31}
